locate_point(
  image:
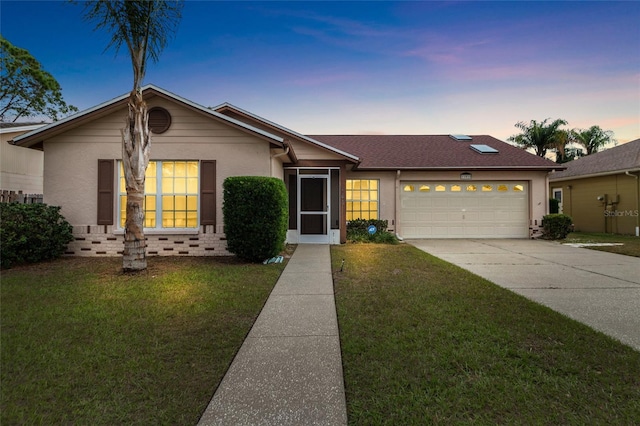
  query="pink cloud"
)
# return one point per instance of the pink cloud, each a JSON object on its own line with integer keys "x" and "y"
{"x": 441, "y": 51}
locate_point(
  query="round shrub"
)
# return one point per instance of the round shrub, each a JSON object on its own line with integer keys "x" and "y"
{"x": 256, "y": 216}
{"x": 556, "y": 226}
{"x": 32, "y": 233}
{"x": 358, "y": 232}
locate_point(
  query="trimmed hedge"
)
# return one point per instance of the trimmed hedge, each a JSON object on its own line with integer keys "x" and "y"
{"x": 32, "y": 233}
{"x": 256, "y": 216}
{"x": 556, "y": 226}
{"x": 358, "y": 232}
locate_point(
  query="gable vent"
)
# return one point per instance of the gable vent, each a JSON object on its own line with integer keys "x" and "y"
{"x": 460, "y": 137}
{"x": 483, "y": 149}
{"x": 159, "y": 120}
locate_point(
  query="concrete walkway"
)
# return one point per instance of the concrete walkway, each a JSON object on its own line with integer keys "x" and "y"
{"x": 597, "y": 288}
{"x": 289, "y": 369}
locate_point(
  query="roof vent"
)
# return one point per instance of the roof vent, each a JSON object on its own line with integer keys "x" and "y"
{"x": 483, "y": 149}
{"x": 460, "y": 137}
{"x": 159, "y": 120}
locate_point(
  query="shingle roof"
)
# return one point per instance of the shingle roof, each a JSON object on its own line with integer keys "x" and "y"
{"x": 6, "y": 125}
{"x": 19, "y": 127}
{"x": 433, "y": 152}
{"x": 620, "y": 158}
{"x": 227, "y": 106}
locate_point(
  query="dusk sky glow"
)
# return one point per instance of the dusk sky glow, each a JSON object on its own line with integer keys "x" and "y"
{"x": 368, "y": 67}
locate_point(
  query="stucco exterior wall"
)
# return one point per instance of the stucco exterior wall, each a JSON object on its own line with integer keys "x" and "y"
{"x": 70, "y": 175}
{"x": 387, "y": 193}
{"x": 390, "y": 197}
{"x": 71, "y": 159}
{"x": 617, "y": 213}
{"x": 21, "y": 169}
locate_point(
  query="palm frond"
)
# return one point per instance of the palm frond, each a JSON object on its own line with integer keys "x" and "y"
{"x": 144, "y": 26}
{"x": 592, "y": 139}
{"x": 539, "y": 136}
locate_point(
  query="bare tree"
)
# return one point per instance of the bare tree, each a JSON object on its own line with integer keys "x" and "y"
{"x": 144, "y": 27}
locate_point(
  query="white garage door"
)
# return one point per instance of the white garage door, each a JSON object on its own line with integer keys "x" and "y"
{"x": 491, "y": 209}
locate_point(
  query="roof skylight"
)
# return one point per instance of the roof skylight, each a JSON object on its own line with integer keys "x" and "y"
{"x": 461, "y": 137}
{"x": 483, "y": 149}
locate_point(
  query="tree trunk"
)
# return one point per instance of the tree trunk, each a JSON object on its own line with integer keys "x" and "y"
{"x": 135, "y": 158}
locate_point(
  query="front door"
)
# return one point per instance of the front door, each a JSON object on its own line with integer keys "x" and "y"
{"x": 314, "y": 208}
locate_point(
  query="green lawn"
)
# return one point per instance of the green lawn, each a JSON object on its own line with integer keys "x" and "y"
{"x": 84, "y": 344}
{"x": 425, "y": 342}
{"x": 630, "y": 247}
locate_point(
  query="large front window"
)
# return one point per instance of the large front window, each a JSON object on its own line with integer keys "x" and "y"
{"x": 362, "y": 199}
{"x": 170, "y": 195}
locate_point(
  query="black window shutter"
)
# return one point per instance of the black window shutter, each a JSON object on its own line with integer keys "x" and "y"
{"x": 105, "y": 192}
{"x": 208, "y": 192}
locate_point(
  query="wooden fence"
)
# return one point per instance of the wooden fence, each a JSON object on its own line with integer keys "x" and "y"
{"x": 19, "y": 197}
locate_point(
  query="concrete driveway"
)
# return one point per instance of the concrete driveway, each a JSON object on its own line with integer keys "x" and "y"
{"x": 597, "y": 288}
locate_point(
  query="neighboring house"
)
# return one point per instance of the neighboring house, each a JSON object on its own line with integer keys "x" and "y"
{"x": 20, "y": 168}
{"x": 601, "y": 191}
{"x": 425, "y": 186}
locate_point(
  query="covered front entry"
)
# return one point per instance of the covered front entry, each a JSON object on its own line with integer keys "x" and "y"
{"x": 314, "y": 210}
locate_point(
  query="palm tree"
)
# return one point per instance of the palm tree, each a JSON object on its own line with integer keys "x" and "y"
{"x": 593, "y": 138}
{"x": 561, "y": 146}
{"x": 144, "y": 26}
{"x": 539, "y": 136}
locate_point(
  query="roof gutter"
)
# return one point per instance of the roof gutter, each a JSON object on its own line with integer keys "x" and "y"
{"x": 592, "y": 175}
{"x": 459, "y": 168}
{"x": 281, "y": 154}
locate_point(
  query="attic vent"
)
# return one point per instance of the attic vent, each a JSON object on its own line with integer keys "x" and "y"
{"x": 483, "y": 149}
{"x": 461, "y": 137}
{"x": 159, "y": 120}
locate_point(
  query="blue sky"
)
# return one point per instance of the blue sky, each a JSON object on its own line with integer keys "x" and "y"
{"x": 368, "y": 67}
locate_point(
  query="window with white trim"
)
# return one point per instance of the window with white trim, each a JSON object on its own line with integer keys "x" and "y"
{"x": 362, "y": 199}
{"x": 171, "y": 196}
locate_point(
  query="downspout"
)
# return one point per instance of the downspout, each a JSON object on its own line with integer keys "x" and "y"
{"x": 286, "y": 151}
{"x": 397, "y": 207}
{"x": 628, "y": 173}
